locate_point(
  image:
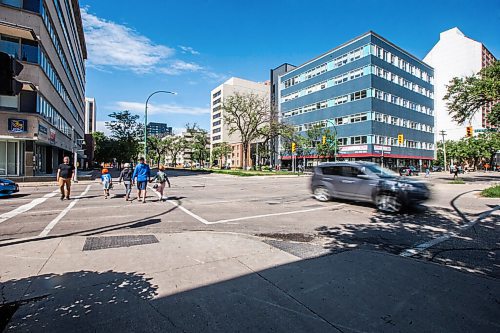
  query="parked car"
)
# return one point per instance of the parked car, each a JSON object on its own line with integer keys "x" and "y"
{"x": 437, "y": 168}
{"x": 368, "y": 182}
{"x": 7, "y": 187}
{"x": 408, "y": 171}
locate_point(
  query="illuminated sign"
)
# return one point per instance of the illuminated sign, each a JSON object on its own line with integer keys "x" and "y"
{"x": 18, "y": 125}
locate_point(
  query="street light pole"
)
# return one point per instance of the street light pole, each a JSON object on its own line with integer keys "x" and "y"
{"x": 146, "y": 119}
{"x": 443, "y": 133}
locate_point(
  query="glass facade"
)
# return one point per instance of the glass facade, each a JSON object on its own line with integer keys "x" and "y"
{"x": 9, "y": 158}
{"x": 367, "y": 92}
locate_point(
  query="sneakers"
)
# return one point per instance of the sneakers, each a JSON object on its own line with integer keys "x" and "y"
{"x": 62, "y": 197}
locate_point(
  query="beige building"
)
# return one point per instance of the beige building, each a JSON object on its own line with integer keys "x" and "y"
{"x": 219, "y": 131}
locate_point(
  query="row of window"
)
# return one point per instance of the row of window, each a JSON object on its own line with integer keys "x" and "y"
{"x": 216, "y": 130}
{"x": 379, "y": 94}
{"x": 401, "y": 81}
{"x": 56, "y": 81}
{"x": 62, "y": 22}
{"x": 354, "y": 74}
{"x": 217, "y": 94}
{"x": 401, "y": 63}
{"x": 329, "y": 65}
{"x": 73, "y": 30}
{"x": 215, "y": 138}
{"x": 354, "y": 55}
{"x": 329, "y": 102}
{"x": 390, "y": 141}
{"x": 217, "y": 101}
{"x": 216, "y": 123}
{"x": 217, "y": 115}
{"x": 20, "y": 48}
{"x": 57, "y": 45}
{"x": 396, "y": 121}
{"x": 52, "y": 116}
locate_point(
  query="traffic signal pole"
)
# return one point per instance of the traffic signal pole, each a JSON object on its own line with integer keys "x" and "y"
{"x": 443, "y": 133}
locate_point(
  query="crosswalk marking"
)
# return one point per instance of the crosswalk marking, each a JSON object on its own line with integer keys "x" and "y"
{"x": 24, "y": 208}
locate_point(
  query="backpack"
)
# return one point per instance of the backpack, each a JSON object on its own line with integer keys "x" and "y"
{"x": 161, "y": 177}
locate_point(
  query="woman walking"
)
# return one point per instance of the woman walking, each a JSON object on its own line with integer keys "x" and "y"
{"x": 126, "y": 176}
{"x": 161, "y": 179}
{"x": 107, "y": 182}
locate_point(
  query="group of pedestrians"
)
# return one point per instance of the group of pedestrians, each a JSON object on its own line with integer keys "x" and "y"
{"x": 140, "y": 176}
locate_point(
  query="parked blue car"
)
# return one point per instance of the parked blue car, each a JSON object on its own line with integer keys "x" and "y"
{"x": 7, "y": 187}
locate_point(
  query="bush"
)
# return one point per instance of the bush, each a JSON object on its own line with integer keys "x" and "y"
{"x": 491, "y": 192}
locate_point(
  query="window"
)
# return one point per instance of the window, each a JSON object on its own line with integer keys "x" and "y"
{"x": 334, "y": 171}
{"x": 217, "y": 115}
{"x": 215, "y": 138}
{"x": 216, "y": 130}
{"x": 216, "y": 123}
{"x": 358, "y": 95}
{"x": 216, "y": 101}
{"x": 217, "y": 94}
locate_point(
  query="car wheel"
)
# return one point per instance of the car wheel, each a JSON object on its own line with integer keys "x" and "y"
{"x": 388, "y": 202}
{"x": 321, "y": 194}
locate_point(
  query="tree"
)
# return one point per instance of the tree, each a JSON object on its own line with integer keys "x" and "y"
{"x": 127, "y": 133}
{"x": 178, "y": 144}
{"x": 199, "y": 146}
{"x": 103, "y": 152}
{"x": 468, "y": 95}
{"x": 245, "y": 114}
{"x": 315, "y": 136}
{"x": 222, "y": 151}
{"x": 157, "y": 147}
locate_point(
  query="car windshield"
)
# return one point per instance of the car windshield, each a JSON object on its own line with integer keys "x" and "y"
{"x": 380, "y": 171}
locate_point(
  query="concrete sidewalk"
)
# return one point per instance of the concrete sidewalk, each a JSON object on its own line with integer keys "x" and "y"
{"x": 223, "y": 282}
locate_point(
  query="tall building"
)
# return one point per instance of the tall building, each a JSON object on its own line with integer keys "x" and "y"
{"x": 219, "y": 130}
{"x": 456, "y": 55}
{"x": 369, "y": 92}
{"x": 159, "y": 129}
{"x": 90, "y": 115}
{"x": 46, "y": 120}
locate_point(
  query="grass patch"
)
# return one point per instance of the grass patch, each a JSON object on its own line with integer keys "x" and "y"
{"x": 251, "y": 173}
{"x": 457, "y": 181}
{"x": 491, "y": 192}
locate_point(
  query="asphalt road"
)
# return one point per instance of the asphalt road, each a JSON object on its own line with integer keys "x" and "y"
{"x": 278, "y": 209}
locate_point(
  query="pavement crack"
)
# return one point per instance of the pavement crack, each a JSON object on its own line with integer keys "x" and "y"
{"x": 292, "y": 297}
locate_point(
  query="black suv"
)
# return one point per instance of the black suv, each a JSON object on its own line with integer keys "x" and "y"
{"x": 363, "y": 181}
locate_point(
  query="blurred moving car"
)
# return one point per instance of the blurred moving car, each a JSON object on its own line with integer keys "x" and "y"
{"x": 437, "y": 168}
{"x": 408, "y": 171}
{"x": 368, "y": 182}
{"x": 7, "y": 187}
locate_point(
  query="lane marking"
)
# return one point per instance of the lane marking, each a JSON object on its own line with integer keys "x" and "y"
{"x": 424, "y": 246}
{"x": 24, "y": 208}
{"x": 274, "y": 214}
{"x": 65, "y": 211}
{"x": 204, "y": 221}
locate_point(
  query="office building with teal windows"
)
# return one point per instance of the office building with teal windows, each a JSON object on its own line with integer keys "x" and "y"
{"x": 369, "y": 92}
{"x": 45, "y": 121}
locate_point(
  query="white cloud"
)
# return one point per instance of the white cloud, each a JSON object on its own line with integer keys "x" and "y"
{"x": 178, "y": 66}
{"x": 114, "y": 45}
{"x": 154, "y": 109}
{"x": 188, "y": 49}
{"x": 101, "y": 127}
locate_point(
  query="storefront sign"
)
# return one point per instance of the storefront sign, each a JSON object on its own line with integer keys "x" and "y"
{"x": 42, "y": 129}
{"x": 354, "y": 149}
{"x": 382, "y": 148}
{"x": 52, "y": 136}
{"x": 18, "y": 125}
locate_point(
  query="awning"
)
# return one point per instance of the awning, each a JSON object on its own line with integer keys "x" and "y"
{"x": 17, "y": 31}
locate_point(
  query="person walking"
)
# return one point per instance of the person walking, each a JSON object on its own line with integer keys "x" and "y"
{"x": 427, "y": 171}
{"x": 126, "y": 176}
{"x": 107, "y": 182}
{"x": 64, "y": 175}
{"x": 161, "y": 179}
{"x": 455, "y": 172}
{"x": 143, "y": 174}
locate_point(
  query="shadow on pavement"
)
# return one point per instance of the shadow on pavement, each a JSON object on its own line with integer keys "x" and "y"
{"x": 354, "y": 291}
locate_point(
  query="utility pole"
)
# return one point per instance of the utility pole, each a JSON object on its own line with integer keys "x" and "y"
{"x": 443, "y": 133}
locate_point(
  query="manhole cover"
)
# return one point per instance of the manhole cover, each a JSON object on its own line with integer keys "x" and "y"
{"x": 109, "y": 242}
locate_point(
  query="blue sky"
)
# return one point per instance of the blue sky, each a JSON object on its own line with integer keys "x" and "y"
{"x": 191, "y": 46}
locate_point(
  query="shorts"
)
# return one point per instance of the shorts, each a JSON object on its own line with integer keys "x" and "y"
{"x": 141, "y": 185}
{"x": 105, "y": 186}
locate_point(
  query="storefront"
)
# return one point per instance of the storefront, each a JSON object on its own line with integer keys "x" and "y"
{"x": 11, "y": 157}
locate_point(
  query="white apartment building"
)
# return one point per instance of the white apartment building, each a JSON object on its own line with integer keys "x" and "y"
{"x": 456, "y": 55}
{"x": 90, "y": 115}
{"x": 219, "y": 132}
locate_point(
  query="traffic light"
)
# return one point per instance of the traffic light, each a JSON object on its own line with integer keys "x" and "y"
{"x": 323, "y": 140}
{"x": 294, "y": 147}
{"x": 469, "y": 131}
{"x": 9, "y": 69}
{"x": 400, "y": 138}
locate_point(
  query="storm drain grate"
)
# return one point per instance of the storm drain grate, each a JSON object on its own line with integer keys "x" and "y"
{"x": 109, "y": 242}
{"x": 301, "y": 250}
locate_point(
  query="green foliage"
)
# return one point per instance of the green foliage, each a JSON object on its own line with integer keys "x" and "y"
{"x": 491, "y": 192}
{"x": 157, "y": 148}
{"x": 457, "y": 181}
{"x": 199, "y": 146}
{"x": 467, "y": 95}
{"x": 103, "y": 148}
{"x": 221, "y": 152}
{"x": 126, "y": 134}
{"x": 473, "y": 150}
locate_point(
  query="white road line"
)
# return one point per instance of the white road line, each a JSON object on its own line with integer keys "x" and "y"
{"x": 274, "y": 214}
{"x": 424, "y": 246}
{"x": 24, "y": 208}
{"x": 65, "y": 211}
